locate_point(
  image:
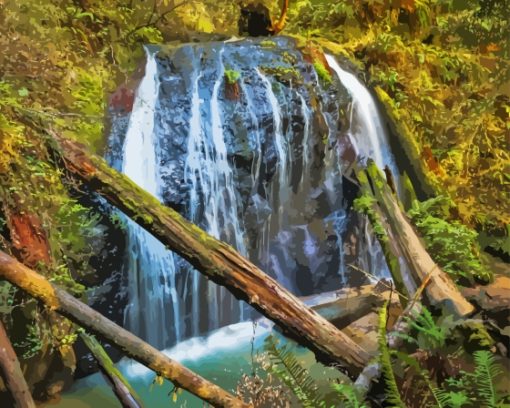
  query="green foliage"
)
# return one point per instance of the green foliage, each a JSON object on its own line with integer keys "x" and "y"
{"x": 475, "y": 388}
{"x": 322, "y": 72}
{"x": 74, "y": 230}
{"x": 451, "y": 399}
{"x": 452, "y": 245}
{"x": 283, "y": 73}
{"x": 7, "y": 293}
{"x": 392, "y": 391}
{"x": 32, "y": 343}
{"x": 232, "y": 76}
{"x": 485, "y": 373}
{"x": 349, "y": 396}
{"x": 429, "y": 334}
{"x": 364, "y": 204}
{"x": 267, "y": 44}
{"x": 285, "y": 366}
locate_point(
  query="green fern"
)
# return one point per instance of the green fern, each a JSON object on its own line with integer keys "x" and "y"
{"x": 485, "y": 373}
{"x": 348, "y": 396}
{"x": 429, "y": 335}
{"x": 286, "y": 367}
{"x": 476, "y": 387}
{"x": 450, "y": 399}
{"x": 393, "y": 394}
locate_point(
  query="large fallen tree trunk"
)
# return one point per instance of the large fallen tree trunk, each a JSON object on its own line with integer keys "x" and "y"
{"x": 215, "y": 259}
{"x": 57, "y": 299}
{"x": 389, "y": 243}
{"x": 11, "y": 374}
{"x": 441, "y": 290}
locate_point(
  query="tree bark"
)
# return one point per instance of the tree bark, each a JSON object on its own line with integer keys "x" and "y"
{"x": 10, "y": 371}
{"x": 388, "y": 241}
{"x": 441, "y": 291}
{"x": 351, "y": 304}
{"x": 121, "y": 388}
{"x": 215, "y": 259}
{"x": 65, "y": 304}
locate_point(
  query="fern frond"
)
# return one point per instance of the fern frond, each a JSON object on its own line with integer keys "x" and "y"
{"x": 393, "y": 396}
{"x": 433, "y": 334}
{"x": 450, "y": 399}
{"x": 486, "y": 371}
{"x": 286, "y": 367}
{"x": 348, "y": 396}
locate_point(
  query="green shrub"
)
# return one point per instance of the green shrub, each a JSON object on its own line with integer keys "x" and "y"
{"x": 267, "y": 44}
{"x": 232, "y": 76}
{"x": 451, "y": 244}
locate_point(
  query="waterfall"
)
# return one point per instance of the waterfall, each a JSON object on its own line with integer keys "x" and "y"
{"x": 212, "y": 186}
{"x": 153, "y": 309}
{"x": 306, "y": 113}
{"x": 261, "y": 172}
{"x": 371, "y": 141}
{"x": 281, "y": 145}
{"x": 367, "y": 131}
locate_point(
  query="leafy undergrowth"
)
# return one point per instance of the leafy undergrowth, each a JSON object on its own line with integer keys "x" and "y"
{"x": 436, "y": 365}
{"x": 452, "y": 245}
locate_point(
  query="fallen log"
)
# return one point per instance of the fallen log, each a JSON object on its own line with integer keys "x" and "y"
{"x": 389, "y": 243}
{"x": 121, "y": 388}
{"x": 441, "y": 291}
{"x": 57, "y": 299}
{"x": 345, "y": 306}
{"x": 215, "y": 259}
{"x": 11, "y": 374}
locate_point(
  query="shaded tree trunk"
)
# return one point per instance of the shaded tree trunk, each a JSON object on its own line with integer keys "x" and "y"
{"x": 216, "y": 260}
{"x": 62, "y": 302}
{"x": 10, "y": 371}
{"x": 121, "y": 388}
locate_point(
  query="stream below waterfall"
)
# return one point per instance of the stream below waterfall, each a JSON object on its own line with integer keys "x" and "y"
{"x": 260, "y": 170}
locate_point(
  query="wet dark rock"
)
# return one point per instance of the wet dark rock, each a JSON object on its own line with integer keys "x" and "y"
{"x": 300, "y": 232}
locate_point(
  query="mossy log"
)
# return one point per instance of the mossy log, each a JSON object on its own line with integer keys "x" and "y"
{"x": 389, "y": 244}
{"x": 120, "y": 386}
{"x": 422, "y": 175}
{"x": 60, "y": 301}
{"x": 441, "y": 290}
{"x": 218, "y": 261}
{"x": 11, "y": 374}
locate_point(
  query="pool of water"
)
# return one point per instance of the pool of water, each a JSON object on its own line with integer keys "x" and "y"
{"x": 222, "y": 357}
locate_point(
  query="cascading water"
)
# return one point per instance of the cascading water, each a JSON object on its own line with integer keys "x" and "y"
{"x": 261, "y": 172}
{"x": 153, "y": 299}
{"x": 370, "y": 139}
{"x": 366, "y": 128}
{"x": 212, "y": 185}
